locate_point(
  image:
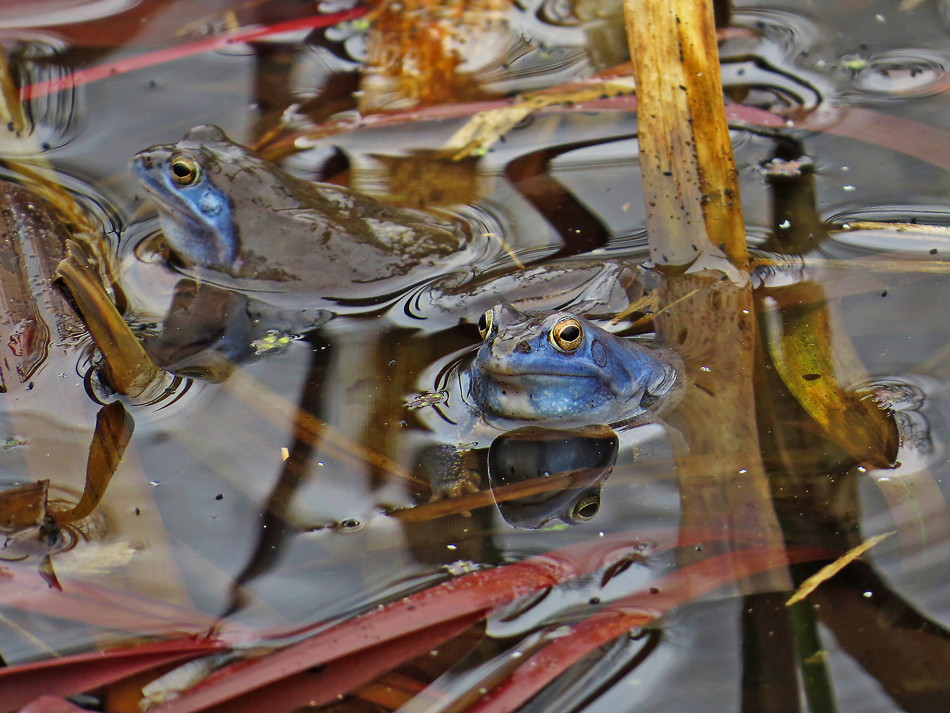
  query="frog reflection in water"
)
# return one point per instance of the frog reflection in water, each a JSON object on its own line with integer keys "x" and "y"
{"x": 239, "y": 221}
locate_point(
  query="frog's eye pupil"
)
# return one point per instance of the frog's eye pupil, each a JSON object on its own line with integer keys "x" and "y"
{"x": 567, "y": 334}
{"x": 485, "y": 323}
{"x": 185, "y": 171}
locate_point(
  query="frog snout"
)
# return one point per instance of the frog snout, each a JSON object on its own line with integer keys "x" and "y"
{"x": 142, "y": 162}
{"x": 148, "y": 161}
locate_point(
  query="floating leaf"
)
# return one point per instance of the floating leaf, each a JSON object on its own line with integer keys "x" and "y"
{"x": 485, "y": 128}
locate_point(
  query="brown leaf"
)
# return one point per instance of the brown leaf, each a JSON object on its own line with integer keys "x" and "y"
{"x": 114, "y": 428}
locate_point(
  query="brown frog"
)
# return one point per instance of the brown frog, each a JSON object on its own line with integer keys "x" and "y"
{"x": 241, "y": 222}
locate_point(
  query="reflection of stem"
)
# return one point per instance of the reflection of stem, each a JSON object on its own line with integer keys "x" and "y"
{"x": 811, "y": 659}
{"x": 503, "y": 493}
{"x": 274, "y": 527}
{"x": 907, "y": 653}
{"x": 11, "y": 111}
{"x": 722, "y": 478}
{"x": 42, "y": 647}
{"x": 38, "y": 171}
{"x": 694, "y": 218}
{"x": 306, "y": 426}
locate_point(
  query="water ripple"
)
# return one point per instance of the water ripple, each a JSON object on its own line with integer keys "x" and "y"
{"x": 900, "y": 73}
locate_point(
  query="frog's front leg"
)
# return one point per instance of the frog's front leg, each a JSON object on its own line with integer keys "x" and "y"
{"x": 446, "y": 467}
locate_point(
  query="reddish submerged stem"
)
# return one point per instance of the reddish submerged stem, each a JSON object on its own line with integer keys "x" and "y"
{"x": 169, "y": 54}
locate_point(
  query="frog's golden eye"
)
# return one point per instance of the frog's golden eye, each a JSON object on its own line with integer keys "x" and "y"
{"x": 567, "y": 334}
{"x": 485, "y": 323}
{"x": 185, "y": 170}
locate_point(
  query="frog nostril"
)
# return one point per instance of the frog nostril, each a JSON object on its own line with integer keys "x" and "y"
{"x": 523, "y": 347}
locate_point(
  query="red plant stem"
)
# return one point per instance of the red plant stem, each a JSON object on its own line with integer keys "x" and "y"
{"x": 169, "y": 54}
{"x": 478, "y": 592}
{"x": 345, "y": 674}
{"x": 21, "y": 684}
{"x": 913, "y": 138}
{"x": 52, "y": 704}
{"x": 21, "y": 587}
{"x": 637, "y": 609}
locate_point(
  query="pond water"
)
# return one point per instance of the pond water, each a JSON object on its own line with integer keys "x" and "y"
{"x": 294, "y": 475}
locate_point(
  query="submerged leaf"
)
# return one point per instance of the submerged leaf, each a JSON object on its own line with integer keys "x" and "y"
{"x": 821, "y": 370}
{"x": 114, "y": 428}
{"x": 21, "y": 587}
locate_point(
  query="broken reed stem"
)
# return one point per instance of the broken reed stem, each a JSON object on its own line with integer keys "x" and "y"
{"x": 694, "y": 220}
{"x": 132, "y": 372}
{"x": 690, "y": 184}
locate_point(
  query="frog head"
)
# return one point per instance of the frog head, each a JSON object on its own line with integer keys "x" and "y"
{"x": 559, "y": 367}
{"x": 193, "y": 186}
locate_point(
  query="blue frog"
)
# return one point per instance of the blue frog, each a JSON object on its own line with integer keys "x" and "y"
{"x": 561, "y": 369}
{"x": 549, "y": 368}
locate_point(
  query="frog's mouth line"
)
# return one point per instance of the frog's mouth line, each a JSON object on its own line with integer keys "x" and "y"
{"x": 159, "y": 195}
